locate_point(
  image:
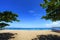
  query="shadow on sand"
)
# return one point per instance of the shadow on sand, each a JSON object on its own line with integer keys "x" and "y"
{"x": 6, "y": 36}
{"x": 47, "y": 37}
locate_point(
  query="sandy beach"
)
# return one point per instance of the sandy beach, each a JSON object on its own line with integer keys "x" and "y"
{"x": 28, "y": 34}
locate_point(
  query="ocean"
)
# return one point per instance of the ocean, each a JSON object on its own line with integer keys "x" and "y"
{"x": 26, "y": 29}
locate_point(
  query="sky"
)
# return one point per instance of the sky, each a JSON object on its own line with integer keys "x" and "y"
{"x": 29, "y": 12}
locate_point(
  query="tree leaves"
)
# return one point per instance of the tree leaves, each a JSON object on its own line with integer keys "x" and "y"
{"x": 3, "y": 25}
{"x": 7, "y": 16}
{"x": 52, "y": 9}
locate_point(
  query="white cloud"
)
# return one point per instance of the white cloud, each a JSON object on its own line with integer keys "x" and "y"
{"x": 53, "y": 24}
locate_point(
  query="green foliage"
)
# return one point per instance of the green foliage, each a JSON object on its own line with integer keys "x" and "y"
{"x": 52, "y": 8}
{"x": 3, "y": 25}
{"x": 7, "y": 16}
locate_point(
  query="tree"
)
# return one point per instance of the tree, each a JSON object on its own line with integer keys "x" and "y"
{"x": 52, "y": 9}
{"x": 7, "y": 16}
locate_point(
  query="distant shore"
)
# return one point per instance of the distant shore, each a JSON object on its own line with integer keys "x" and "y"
{"x": 28, "y": 34}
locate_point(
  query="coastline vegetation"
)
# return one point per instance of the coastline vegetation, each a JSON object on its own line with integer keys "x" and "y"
{"x": 6, "y": 17}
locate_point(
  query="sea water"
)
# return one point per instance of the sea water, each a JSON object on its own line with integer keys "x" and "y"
{"x": 26, "y": 28}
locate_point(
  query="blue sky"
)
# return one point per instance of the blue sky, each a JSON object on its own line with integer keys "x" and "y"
{"x": 29, "y": 12}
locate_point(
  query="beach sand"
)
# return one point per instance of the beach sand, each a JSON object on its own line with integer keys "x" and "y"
{"x": 28, "y": 34}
